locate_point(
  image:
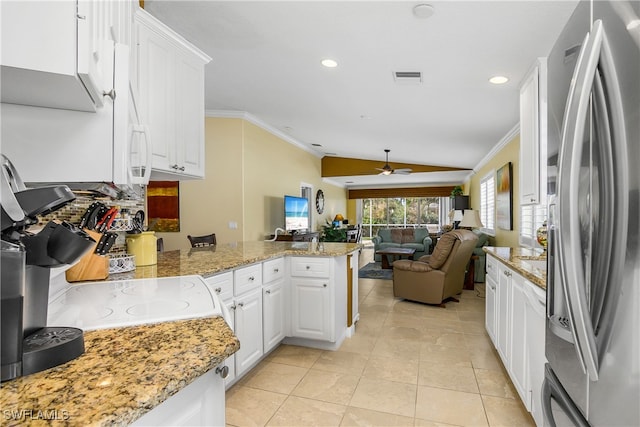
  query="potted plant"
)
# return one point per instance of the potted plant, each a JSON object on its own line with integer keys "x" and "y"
{"x": 331, "y": 233}
{"x": 459, "y": 201}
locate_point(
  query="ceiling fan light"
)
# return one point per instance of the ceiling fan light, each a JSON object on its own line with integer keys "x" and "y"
{"x": 387, "y": 172}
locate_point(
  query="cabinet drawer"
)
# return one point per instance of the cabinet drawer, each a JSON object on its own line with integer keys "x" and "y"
{"x": 310, "y": 267}
{"x": 492, "y": 267}
{"x": 272, "y": 270}
{"x": 247, "y": 278}
{"x": 222, "y": 285}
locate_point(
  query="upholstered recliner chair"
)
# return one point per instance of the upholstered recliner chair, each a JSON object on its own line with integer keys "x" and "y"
{"x": 434, "y": 278}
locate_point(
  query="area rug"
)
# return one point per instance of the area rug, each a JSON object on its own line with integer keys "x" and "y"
{"x": 373, "y": 270}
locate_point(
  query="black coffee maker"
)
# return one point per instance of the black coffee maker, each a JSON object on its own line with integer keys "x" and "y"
{"x": 28, "y": 345}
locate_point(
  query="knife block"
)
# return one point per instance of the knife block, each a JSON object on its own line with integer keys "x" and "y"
{"x": 91, "y": 266}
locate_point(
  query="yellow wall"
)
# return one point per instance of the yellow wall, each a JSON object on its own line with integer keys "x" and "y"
{"x": 509, "y": 153}
{"x": 247, "y": 172}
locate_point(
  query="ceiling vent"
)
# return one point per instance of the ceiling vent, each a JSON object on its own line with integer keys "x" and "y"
{"x": 411, "y": 77}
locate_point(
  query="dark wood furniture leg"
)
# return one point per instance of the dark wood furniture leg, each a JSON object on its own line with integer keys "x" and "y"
{"x": 469, "y": 279}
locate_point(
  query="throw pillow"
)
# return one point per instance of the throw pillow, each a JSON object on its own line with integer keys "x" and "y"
{"x": 407, "y": 235}
{"x": 442, "y": 250}
{"x": 396, "y": 235}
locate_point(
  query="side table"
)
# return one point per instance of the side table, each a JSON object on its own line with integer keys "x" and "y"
{"x": 469, "y": 279}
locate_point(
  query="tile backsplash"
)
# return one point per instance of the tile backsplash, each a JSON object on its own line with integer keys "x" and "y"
{"x": 74, "y": 211}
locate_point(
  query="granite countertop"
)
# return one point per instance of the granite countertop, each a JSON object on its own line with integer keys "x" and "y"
{"x": 208, "y": 261}
{"x": 516, "y": 259}
{"x": 124, "y": 373}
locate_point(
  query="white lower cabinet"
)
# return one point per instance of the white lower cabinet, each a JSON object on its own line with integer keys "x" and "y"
{"x": 274, "y": 314}
{"x": 248, "y": 329}
{"x": 201, "y": 403}
{"x": 491, "y": 298}
{"x": 518, "y": 347}
{"x": 311, "y": 309}
{"x": 518, "y": 310}
{"x": 536, "y": 317}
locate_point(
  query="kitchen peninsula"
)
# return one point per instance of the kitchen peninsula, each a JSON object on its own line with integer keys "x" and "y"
{"x": 127, "y": 372}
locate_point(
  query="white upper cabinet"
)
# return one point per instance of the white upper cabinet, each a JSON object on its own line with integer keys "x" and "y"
{"x": 170, "y": 82}
{"x": 533, "y": 134}
{"x": 54, "y": 53}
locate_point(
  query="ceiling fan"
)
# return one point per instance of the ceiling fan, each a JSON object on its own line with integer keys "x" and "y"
{"x": 388, "y": 170}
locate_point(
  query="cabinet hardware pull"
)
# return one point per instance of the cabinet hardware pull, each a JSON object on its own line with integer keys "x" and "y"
{"x": 182, "y": 168}
{"x": 308, "y": 267}
{"x": 218, "y": 290}
{"x": 267, "y": 291}
{"x": 275, "y": 270}
{"x": 111, "y": 94}
{"x": 251, "y": 279}
{"x": 240, "y": 304}
{"x": 81, "y": 16}
{"x": 174, "y": 167}
{"x": 324, "y": 285}
{"x": 223, "y": 371}
{"x": 233, "y": 307}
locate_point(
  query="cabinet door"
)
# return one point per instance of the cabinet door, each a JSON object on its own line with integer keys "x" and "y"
{"x": 156, "y": 84}
{"x": 529, "y": 141}
{"x": 536, "y": 311}
{"x": 273, "y": 303}
{"x": 502, "y": 313}
{"x": 518, "y": 362}
{"x": 248, "y": 329}
{"x": 311, "y": 309}
{"x": 231, "y": 360}
{"x": 189, "y": 116}
{"x": 490, "y": 308}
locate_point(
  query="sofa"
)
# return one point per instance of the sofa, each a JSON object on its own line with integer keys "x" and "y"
{"x": 416, "y": 238}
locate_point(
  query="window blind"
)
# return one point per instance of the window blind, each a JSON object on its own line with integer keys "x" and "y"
{"x": 487, "y": 203}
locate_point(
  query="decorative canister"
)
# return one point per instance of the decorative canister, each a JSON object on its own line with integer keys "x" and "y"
{"x": 143, "y": 246}
{"x": 541, "y": 235}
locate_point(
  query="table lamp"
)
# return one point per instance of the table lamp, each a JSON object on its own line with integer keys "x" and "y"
{"x": 471, "y": 219}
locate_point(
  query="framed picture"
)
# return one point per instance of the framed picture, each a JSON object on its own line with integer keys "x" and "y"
{"x": 163, "y": 206}
{"x": 504, "y": 198}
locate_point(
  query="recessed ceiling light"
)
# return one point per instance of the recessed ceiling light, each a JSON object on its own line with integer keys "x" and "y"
{"x": 331, "y": 154}
{"x": 423, "y": 11}
{"x": 329, "y": 63}
{"x": 498, "y": 80}
{"x": 348, "y": 182}
{"x": 317, "y": 145}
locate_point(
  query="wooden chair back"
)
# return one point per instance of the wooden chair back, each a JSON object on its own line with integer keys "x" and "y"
{"x": 201, "y": 241}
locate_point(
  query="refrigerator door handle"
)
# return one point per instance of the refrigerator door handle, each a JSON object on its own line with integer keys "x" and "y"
{"x": 569, "y": 258}
{"x": 552, "y": 390}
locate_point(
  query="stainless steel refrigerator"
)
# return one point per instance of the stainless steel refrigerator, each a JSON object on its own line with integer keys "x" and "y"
{"x": 593, "y": 292}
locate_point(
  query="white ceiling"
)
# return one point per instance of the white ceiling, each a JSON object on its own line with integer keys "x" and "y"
{"x": 266, "y": 65}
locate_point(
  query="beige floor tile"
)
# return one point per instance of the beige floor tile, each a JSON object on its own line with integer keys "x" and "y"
{"x": 444, "y": 325}
{"x": 451, "y": 340}
{"x": 406, "y": 319}
{"x": 487, "y": 358}
{"x": 401, "y": 349}
{"x": 478, "y": 341}
{"x": 392, "y": 369}
{"x": 298, "y": 411}
{"x": 276, "y": 377}
{"x": 358, "y": 417}
{"x": 426, "y": 423}
{"x": 377, "y": 300}
{"x": 449, "y": 406}
{"x": 403, "y": 333}
{"x": 385, "y": 396}
{"x": 447, "y": 375}
{"x": 251, "y": 407}
{"x": 341, "y": 362}
{"x": 294, "y": 355}
{"x": 359, "y": 343}
{"x": 327, "y": 386}
{"x": 474, "y": 328}
{"x": 506, "y": 412}
{"x": 445, "y": 354}
{"x": 495, "y": 383}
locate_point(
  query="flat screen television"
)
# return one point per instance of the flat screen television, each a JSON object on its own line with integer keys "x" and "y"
{"x": 296, "y": 213}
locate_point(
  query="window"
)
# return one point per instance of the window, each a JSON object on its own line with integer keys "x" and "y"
{"x": 488, "y": 204}
{"x": 531, "y": 218}
{"x": 402, "y": 212}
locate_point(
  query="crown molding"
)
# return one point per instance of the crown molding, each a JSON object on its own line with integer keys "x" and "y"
{"x": 499, "y": 146}
{"x": 232, "y": 114}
